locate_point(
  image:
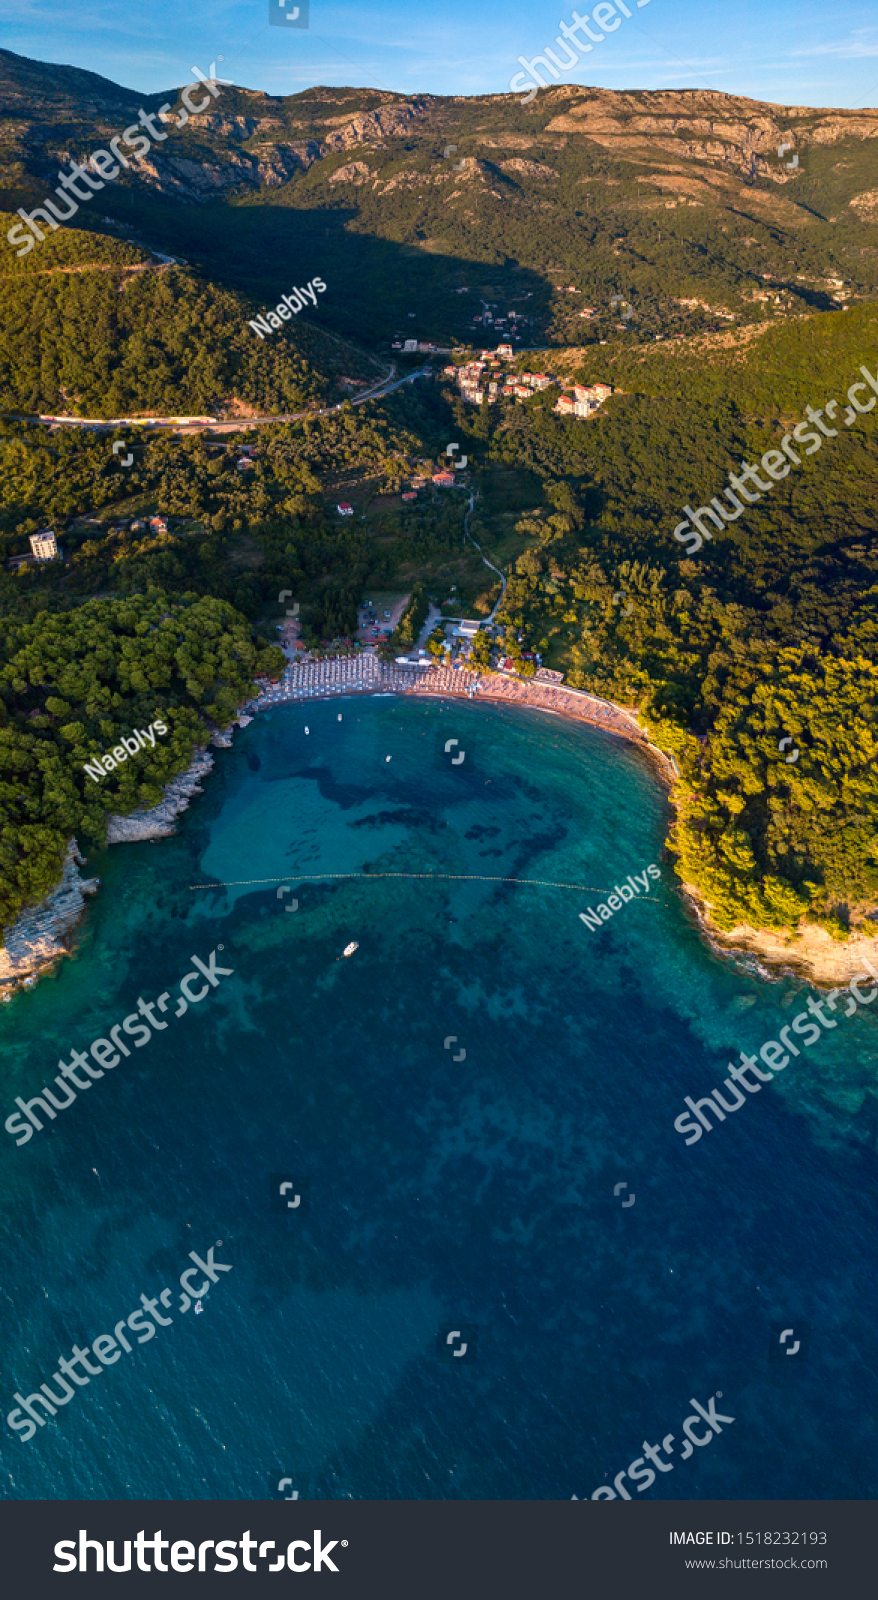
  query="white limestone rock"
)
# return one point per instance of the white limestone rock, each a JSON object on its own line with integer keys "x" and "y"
{"x": 36, "y": 939}
{"x": 160, "y": 821}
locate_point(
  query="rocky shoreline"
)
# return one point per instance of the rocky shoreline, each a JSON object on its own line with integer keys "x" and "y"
{"x": 37, "y": 939}
{"x": 161, "y": 820}
{"x": 806, "y": 952}
{"x": 41, "y": 934}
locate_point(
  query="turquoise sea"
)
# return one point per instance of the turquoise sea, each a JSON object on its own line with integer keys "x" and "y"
{"x": 447, "y": 1188}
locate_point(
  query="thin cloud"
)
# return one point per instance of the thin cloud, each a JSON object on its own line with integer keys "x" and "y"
{"x": 851, "y": 51}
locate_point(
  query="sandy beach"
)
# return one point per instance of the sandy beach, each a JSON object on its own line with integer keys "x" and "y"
{"x": 808, "y": 952}
{"x": 315, "y": 680}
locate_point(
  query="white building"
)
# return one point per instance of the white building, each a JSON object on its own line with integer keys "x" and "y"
{"x": 592, "y": 391}
{"x": 43, "y": 545}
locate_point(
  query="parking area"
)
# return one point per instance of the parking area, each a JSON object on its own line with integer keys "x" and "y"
{"x": 378, "y": 615}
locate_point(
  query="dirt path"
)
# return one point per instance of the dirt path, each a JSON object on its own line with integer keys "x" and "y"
{"x": 500, "y": 575}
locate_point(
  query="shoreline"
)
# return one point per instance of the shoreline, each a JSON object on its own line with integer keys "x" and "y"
{"x": 808, "y": 952}
{"x": 366, "y": 675}
{"x": 37, "y": 939}
{"x": 40, "y": 936}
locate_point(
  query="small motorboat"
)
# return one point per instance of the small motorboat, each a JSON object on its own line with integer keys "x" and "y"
{"x": 350, "y": 948}
{"x": 198, "y": 1308}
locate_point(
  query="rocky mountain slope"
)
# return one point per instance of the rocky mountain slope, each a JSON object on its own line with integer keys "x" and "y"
{"x": 694, "y": 194}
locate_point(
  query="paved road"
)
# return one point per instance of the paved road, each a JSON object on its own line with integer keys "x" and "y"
{"x": 385, "y": 385}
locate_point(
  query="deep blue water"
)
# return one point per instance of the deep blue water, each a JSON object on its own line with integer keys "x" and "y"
{"x": 474, "y": 1193}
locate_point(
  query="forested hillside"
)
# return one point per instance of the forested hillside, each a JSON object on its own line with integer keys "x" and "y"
{"x": 92, "y": 328}
{"x": 655, "y": 241}
{"x": 769, "y": 632}
{"x": 73, "y": 684}
{"x": 676, "y": 200}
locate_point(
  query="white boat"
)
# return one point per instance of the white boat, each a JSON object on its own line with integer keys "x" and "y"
{"x": 350, "y": 948}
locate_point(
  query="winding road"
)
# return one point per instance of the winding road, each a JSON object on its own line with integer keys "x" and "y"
{"x": 383, "y": 386}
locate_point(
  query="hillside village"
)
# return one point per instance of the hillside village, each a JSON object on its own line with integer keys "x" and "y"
{"x": 483, "y": 378}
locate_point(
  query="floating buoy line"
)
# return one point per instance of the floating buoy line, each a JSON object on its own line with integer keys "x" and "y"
{"x": 451, "y": 877}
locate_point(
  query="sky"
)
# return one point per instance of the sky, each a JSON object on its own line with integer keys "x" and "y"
{"x": 793, "y": 52}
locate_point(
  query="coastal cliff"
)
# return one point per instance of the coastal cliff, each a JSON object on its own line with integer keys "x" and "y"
{"x": 40, "y": 935}
{"x": 37, "y": 939}
{"x": 161, "y": 820}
